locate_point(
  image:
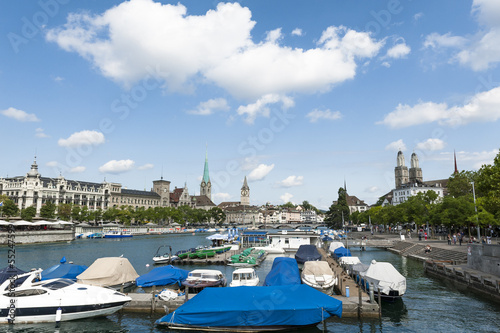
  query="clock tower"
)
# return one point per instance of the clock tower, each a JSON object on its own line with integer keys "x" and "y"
{"x": 245, "y": 193}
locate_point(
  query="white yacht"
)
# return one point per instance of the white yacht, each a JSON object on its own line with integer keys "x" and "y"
{"x": 244, "y": 277}
{"x": 34, "y": 301}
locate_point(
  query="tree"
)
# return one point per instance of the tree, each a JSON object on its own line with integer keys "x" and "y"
{"x": 217, "y": 214}
{"x": 338, "y": 211}
{"x": 288, "y": 205}
{"x": 28, "y": 213}
{"x": 459, "y": 184}
{"x": 48, "y": 210}
{"x": 75, "y": 213}
{"x": 9, "y": 208}
{"x": 110, "y": 214}
{"x": 64, "y": 211}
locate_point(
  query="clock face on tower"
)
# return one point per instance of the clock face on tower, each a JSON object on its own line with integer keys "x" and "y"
{"x": 203, "y": 184}
{"x": 244, "y": 192}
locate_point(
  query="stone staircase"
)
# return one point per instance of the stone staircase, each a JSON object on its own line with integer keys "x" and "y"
{"x": 417, "y": 251}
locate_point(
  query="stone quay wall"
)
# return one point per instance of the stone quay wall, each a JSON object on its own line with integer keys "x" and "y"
{"x": 39, "y": 236}
{"x": 484, "y": 258}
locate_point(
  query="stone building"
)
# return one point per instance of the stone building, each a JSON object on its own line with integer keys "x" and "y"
{"x": 241, "y": 212}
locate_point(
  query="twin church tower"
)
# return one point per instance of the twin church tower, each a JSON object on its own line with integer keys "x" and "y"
{"x": 403, "y": 175}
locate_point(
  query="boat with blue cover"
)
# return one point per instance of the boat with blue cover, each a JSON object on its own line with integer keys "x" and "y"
{"x": 307, "y": 252}
{"x": 162, "y": 276}
{"x": 296, "y": 306}
{"x": 341, "y": 252}
{"x": 285, "y": 271}
{"x": 63, "y": 271}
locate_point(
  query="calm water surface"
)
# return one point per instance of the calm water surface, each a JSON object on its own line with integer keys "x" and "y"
{"x": 430, "y": 305}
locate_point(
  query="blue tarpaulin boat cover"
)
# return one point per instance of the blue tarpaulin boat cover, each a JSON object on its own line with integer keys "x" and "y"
{"x": 307, "y": 253}
{"x": 65, "y": 271}
{"x": 284, "y": 272}
{"x": 162, "y": 276}
{"x": 7, "y": 272}
{"x": 276, "y": 306}
{"x": 341, "y": 252}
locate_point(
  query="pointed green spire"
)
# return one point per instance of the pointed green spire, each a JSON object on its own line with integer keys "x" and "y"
{"x": 206, "y": 177}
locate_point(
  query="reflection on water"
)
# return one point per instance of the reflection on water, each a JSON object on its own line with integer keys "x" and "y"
{"x": 430, "y": 305}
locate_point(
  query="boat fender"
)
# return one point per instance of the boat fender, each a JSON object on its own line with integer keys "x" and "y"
{"x": 58, "y": 314}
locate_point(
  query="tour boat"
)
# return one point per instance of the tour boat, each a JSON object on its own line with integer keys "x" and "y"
{"x": 117, "y": 234}
{"x": 244, "y": 277}
{"x": 55, "y": 300}
{"x": 319, "y": 275}
{"x": 199, "y": 279}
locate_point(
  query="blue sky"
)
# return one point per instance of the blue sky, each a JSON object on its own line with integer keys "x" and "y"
{"x": 295, "y": 95}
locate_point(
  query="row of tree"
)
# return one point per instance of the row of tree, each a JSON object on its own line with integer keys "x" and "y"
{"x": 473, "y": 199}
{"x": 122, "y": 214}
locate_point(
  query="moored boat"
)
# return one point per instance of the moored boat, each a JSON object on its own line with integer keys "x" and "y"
{"x": 297, "y": 306}
{"x": 63, "y": 270}
{"x": 118, "y": 234}
{"x": 248, "y": 258}
{"x": 319, "y": 275}
{"x": 163, "y": 276}
{"x": 284, "y": 271}
{"x": 199, "y": 279}
{"x": 56, "y": 300}
{"x": 385, "y": 279}
{"x": 164, "y": 255}
{"x": 244, "y": 277}
{"x": 307, "y": 252}
{"x": 112, "y": 272}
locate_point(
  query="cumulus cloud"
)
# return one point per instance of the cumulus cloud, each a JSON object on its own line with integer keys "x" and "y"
{"x": 418, "y": 16}
{"x": 297, "y": 32}
{"x": 483, "y": 107}
{"x": 116, "y": 167}
{"x": 211, "y": 106}
{"x": 291, "y": 181}
{"x": 479, "y": 51}
{"x": 220, "y": 197}
{"x": 39, "y": 133}
{"x": 431, "y": 144}
{"x": 396, "y": 146}
{"x": 147, "y": 166}
{"x": 261, "y": 107}
{"x": 398, "y": 51}
{"x": 83, "y": 138}
{"x": 213, "y": 47}
{"x": 78, "y": 169}
{"x": 260, "y": 172}
{"x": 316, "y": 115}
{"x": 286, "y": 197}
{"x": 19, "y": 115}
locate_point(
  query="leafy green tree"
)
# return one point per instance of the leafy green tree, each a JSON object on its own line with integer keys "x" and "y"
{"x": 288, "y": 205}
{"x": 338, "y": 211}
{"x": 9, "y": 208}
{"x": 75, "y": 213}
{"x": 218, "y": 215}
{"x": 64, "y": 211}
{"x": 48, "y": 210}
{"x": 459, "y": 184}
{"x": 110, "y": 214}
{"x": 28, "y": 213}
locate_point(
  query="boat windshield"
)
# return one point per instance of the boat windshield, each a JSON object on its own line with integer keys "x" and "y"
{"x": 236, "y": 276}
{"x": 210, "y": 276}
{"x": 58, "y": 284}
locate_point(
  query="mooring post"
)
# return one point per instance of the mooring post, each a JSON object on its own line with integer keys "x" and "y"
{"x": 379, "y": 304}
{"x": 372, "y": 297}
{"x": 186, "y": 294}
{"x": 360, "y": 302}
{"x": 153, "y": 303}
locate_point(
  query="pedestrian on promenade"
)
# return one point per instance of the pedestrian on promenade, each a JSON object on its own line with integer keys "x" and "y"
{"x": 425, "y": 234}
{"x": 460, "y": 239}
{"x": 454, "y": 239}
{"x": 420, "y": 235}
{"x": 449, "y": 239}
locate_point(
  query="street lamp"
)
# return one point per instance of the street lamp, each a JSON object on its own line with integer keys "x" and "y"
{"x": 475, "y": 209}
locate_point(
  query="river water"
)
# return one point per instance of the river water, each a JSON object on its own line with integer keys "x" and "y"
{"x": 430, "y": 305}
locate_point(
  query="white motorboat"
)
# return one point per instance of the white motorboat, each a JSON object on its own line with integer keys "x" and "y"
{"x": 385, "y": 279}
{"x": 35, "y": 301}
{"x": 273, "y": 248}
{"x": 244, "y": 277}
{"x": 202, "y": 278}
{"x": 164, "y": 255}
{"x": 319, "y": 275}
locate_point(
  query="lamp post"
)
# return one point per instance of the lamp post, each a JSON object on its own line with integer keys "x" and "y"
{"x": 475, "y": 209}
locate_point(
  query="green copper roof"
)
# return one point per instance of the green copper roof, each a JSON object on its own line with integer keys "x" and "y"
{"x": 206, "y": 177}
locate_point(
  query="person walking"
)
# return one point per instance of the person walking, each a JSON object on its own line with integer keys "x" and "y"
{"x": 460, "y": 239}
{"x": 449, "y": 239}
{"x": 454, "y": 239}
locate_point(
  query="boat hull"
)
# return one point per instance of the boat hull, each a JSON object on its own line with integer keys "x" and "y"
{"x": 242, "y": 329}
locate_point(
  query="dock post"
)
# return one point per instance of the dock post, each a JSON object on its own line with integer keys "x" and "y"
{"x": 153, "y": 303}
{"x": 360, "y": 302}
{"x": 186, "y": 294}
{"x": 379, "y": 304}
{"x": 372, "y": 297}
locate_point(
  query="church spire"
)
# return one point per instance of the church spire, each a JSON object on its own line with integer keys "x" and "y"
{"x": 206, "y": 177}
{"x": 455, "y": 159}
{"x": 206, "y": 185}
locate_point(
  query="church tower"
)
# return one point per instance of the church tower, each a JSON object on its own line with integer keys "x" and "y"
{"x": 206, "y": 185}
{"x": 245, "y": 193}
{"x": 401, "y": 171}
{"x": 415, "y": 170}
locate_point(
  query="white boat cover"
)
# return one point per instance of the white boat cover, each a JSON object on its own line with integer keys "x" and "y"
{"x": 318, "y": 274}
{"x": 111, "y": 271}
{"x": 334, "y": 246}
{"x": 317, "y": 268}
{"x": 384, "y": 277}
{"x": 349, "y": 260}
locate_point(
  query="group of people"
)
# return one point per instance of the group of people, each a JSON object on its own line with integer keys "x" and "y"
{"x": 456, "y": 236}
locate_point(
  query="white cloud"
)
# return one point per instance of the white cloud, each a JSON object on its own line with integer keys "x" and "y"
{"x": 220, "y": 197}
{"x": 487, "y": 12}
{"x": 210, "y": 106}
{"x": 261, "y": 107}
{"x": 386, "y": 64}
{"x": 297, "y": 32}
{"x": 435, "y": 40}
{"x": 398, "y": 51}
{"x": 260, "y": 172}
{"x": 466, "y": 159}
{"x": 58, "y": 79}
{"x": 396, "y": 146}
{"x": 291, "y": 181}
{"x": 316, "y": 115}
{"x": 52, "y": 164}
{"x": 418, "y": 16}
{"x": 77, "y": 169}
{"x": 83, "y": 138}
{"x": 39, "y": 133}
{"x": 19, "y": 115}
{"x": 431, "y": 144}
{"x": 116, "y": 167}
{"x": 286, "y": 197}
{"x": 483, "y": 107}
{"x": 147, "y": 166}
{"x": 372, "y": 189}
{"x": 217, "y": 46}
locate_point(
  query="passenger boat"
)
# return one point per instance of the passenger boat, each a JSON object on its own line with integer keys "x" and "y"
{"x": 229, "y": 309}
{"x": 163, "y": 276}
{"x": 56, "y": 300}
{"x": 285, "y": 271}
{"x": 199, "y": 279}
{"x": 113, "y": 272}
{"x": 319, "y": 275}
{"x": 117, "y": 234}
{"x": 244, "y": 277}
{"x": 307, "y": 252}
{"x": 385, "y": 278}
